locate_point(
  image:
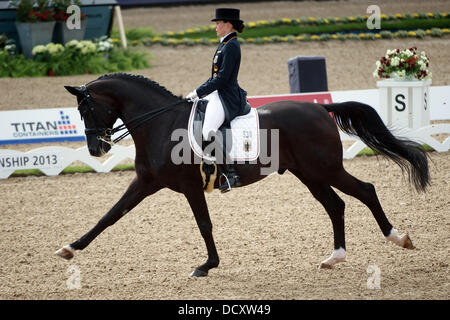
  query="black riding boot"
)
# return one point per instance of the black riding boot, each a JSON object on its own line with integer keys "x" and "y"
{"x": 226, "y": 166}
{"x": 231, "y": 178}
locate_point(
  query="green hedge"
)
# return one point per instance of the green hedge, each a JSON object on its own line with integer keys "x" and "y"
{"x": 303, "y": 29}
{"x": 285, "y": 30}
{"x": 329, "y": 24}
{"x": 75, "y": 58}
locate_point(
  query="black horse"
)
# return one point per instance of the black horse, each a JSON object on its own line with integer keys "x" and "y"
{"x": 309, "y": 147}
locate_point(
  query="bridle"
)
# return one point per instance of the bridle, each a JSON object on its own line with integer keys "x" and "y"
{"x": 102, "y": 132}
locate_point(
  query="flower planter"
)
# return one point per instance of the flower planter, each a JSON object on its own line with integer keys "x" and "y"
{"x": 33, "y": 34}
{"x": 397, "y": 77}
{"x": 62, "y": 34}
{"x": 405, "y": 104}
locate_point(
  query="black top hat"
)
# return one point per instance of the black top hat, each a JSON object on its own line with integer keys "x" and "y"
{"x": 227, "y": 14}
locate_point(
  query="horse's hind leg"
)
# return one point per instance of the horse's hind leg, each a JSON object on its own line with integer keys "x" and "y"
{"x": 335, "y": 207}
{"x": 365, "y": 192}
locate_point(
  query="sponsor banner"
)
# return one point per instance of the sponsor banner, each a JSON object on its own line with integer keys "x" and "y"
{"x": 41, "y": 125}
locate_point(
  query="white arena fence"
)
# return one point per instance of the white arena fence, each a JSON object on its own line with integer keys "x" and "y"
{"x": 64, "y": 124}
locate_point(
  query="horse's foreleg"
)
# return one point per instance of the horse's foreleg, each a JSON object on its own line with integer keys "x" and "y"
{"x": 197, "y": 201}
{"x": 135, "y": 193}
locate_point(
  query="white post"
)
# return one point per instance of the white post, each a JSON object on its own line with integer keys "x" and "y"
{"x": 123, "y": 38}
{"x": 405, "y": 104}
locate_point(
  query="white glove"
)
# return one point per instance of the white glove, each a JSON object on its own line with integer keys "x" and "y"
{"x": 192, "y": 96}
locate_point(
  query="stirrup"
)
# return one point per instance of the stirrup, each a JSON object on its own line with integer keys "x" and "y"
{"x": 224, "y": 187}
{"x": 227, "y": 185}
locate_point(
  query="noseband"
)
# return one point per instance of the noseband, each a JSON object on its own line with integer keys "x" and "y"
{"x": 104, "y": 133}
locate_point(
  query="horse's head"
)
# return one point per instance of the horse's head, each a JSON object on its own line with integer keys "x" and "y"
{"x": 99, "y": 116}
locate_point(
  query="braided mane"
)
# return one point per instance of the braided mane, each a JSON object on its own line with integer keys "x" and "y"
{"x": 139, "y": 79}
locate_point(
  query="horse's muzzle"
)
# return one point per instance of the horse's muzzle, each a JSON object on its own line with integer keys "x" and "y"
{"x": 98, "y": 148}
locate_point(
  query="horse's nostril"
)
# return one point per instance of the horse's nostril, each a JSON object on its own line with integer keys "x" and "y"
{"x": 94, "y": 152}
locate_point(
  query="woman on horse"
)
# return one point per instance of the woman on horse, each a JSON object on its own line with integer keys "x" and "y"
{"x": 226, "y": 100}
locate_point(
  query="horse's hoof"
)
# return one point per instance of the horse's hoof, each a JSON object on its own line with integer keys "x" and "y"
{"x": 407, "y": 243}
{"x": 65, "y": 252}
{"x": 325, "y": 266}
{"x": 337, "y": 256}
{"x": 198, "y": 274}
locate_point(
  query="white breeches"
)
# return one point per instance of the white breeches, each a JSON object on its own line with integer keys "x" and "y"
{"x": 214, "y": 115}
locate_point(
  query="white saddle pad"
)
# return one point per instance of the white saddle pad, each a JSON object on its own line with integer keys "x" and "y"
{"x": 245, "y": 135}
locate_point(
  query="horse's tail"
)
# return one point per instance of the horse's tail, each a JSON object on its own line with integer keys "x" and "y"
{"x": 362, "y": 120}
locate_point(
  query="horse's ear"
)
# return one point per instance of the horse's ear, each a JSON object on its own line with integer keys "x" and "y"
{"x": 73, "y": 90}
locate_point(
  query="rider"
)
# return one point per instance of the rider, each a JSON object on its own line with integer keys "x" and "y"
{"x": 226, "y": 99}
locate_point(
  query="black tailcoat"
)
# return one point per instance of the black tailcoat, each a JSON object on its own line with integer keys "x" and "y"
{"x": 225, "y": 69}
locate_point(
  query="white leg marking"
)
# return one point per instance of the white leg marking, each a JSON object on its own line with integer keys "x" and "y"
{"x": 394, "y": 237}
{"x": 403, "y": 241}
{"x": 66, "y": 252}
{"x": 337, "y": 256}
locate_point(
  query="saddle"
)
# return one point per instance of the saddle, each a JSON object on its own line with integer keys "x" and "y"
{"x": 244, "y": 145}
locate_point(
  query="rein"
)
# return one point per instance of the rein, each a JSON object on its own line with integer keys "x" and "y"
{"x": 141, "y": 119}
{"x": 104, "y": 133}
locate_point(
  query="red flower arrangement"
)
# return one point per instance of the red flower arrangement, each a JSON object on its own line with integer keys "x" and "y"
{"x": 61, "y": 15}
{"x": 403, "y": 64}
{"x": 33, "y": 10}
{"x": 36, "y": 16}
{"x": 43, "y": 10}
